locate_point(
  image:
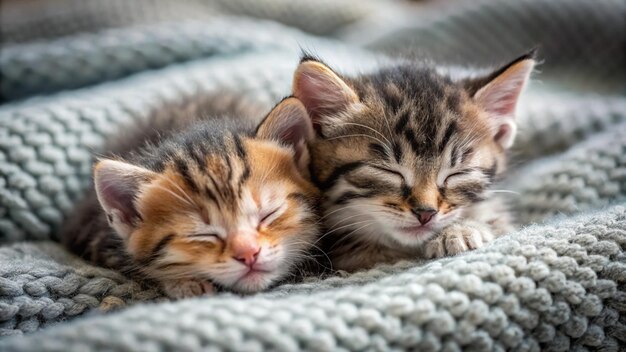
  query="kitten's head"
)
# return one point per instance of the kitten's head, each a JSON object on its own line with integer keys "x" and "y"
{"x": 404, "y": 151}
{"x": 234, "y": 208}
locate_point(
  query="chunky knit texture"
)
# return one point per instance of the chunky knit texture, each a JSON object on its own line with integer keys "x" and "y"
{"x": 558, "y": 285}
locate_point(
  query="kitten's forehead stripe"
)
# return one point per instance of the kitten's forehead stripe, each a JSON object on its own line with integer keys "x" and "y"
{"x": 245, "y": 175}
{"x": 397, "y": 152}
{"x": 403, "y": 120}
{"x": 466, "y": 154}
{"x": 220, "y": 191}
{"x": 241, "y": 152}
{"x": 229, "y": 167}
{"x": 450, "y": 130}
{"x": 210, "y": 195}
{"x": 416, "y": 146}
{"x": 393, "y": 97}
{"x": 183, "y": 169}
{"x": 454, "y": 155}
{"x": 197, "y": 155}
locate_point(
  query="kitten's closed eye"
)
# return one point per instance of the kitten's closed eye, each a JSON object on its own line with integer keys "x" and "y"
{"x": 389, "y": 171}
{"x": 475, "y": 175}
{"x": 456, "y": 175}
{"x": 375, "y": 176}
{"x": 208, "y": 237}
{"x": 268, "y": 217}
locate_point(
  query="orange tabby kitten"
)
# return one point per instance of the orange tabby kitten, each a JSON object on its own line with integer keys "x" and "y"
{"x": 207, "y": 202}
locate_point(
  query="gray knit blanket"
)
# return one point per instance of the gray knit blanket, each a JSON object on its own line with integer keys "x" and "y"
{"x": 75, "y": 72}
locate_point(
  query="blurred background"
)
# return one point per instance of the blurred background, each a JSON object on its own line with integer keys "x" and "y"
{"x": 581, "y": 41}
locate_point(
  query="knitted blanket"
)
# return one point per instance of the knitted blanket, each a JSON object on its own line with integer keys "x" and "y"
{"x": 75, "y": 72}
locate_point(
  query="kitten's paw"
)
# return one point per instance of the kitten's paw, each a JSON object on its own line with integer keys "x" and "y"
{"x": 457, "y": 238}
{"x": 178, "y": 289}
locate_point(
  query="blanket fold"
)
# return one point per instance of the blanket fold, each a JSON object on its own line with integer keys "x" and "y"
{"x": 554, "y": 286}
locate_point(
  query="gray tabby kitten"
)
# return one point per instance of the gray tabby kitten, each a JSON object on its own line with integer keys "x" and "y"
{"x": 405, "y": 157}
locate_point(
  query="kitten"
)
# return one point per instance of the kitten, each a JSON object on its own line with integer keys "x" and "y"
{"x": 206, "y": 201}
{"x": 405, "y": 157}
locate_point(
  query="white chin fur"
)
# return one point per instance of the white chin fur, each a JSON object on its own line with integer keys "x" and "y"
{"x": 364, "y": 223}
{"x": 255, "y": 282}
{"x": 236, "y": 278}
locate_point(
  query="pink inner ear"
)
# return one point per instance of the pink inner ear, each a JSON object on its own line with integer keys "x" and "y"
{"x": 294, "y": 132}
{"x": 505, "y": 135}
{"x": 319, "y": 95}
{"x": 321, "y": 90}
{"x": 309, "y": 93}
{"x": 117, "y": 185}
{"x": 118, "y": 196}
{"x": 500, "y": 96}
{"x": 506, "y": 105}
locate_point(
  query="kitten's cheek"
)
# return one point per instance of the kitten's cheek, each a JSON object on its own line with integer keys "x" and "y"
{"x": 446, "y": 218}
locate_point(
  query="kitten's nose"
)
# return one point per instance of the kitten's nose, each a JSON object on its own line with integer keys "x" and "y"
{"x": 424, "y": 215}
{"x": 248, "y": 258}
{"x": 245, "y": 250}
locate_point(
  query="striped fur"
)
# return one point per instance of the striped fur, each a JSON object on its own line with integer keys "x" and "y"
{"x": 201, "y": 184}
{"x": 401, "y": 144}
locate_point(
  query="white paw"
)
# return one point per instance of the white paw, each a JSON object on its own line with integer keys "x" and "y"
{"x": 457, "y": 238}
{"x": 178, "y": 289}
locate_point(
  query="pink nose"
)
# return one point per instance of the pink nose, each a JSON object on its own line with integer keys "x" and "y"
{"x": 424, "y": 215}
{"x": 245, "y": 250}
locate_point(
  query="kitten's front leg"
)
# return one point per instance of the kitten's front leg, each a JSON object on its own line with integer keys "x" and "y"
{"x": 186, "y": 288}
{"x": 458, "y": 237}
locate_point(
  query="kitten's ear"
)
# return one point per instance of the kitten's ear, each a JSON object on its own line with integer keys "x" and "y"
{"x": 321, "y": 90}
{"x": 498, "y": 94}
{"x": 289, "y": 123}
{"x": 117, "y": 185}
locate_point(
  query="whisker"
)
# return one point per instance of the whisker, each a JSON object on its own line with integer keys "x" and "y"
{"x": 310, "y": 256}
{"x": 191, "y": 202}
{"x": 349, "y": 206}
{"x": 357, "y": 135}
{"x": 387, "y": 145}
{"x": 502, "y": 191}
{"x": 346, "y": 236}
{"x": 341, "y": 227}
{"x": 174, "y": 194}
{"x": 346, "y": 218}
{"x": 339, "y": 209}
